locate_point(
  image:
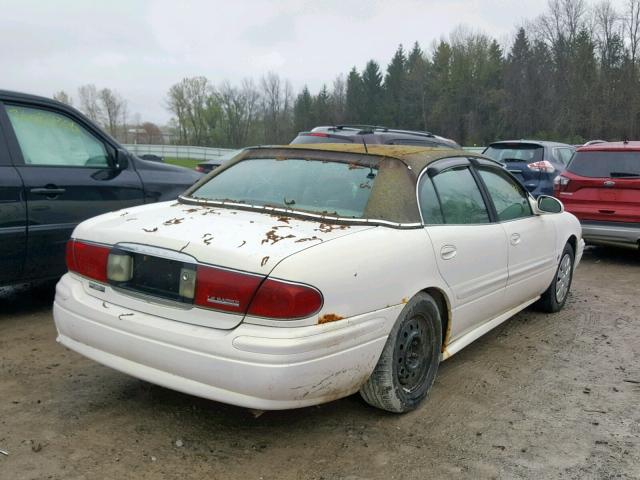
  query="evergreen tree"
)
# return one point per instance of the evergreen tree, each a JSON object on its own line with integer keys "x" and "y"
{"x": 373, "y": 94}
{"x": 354, "y": 110}
{"x": 395, "y": 90}
{"x": 303, "y": 118}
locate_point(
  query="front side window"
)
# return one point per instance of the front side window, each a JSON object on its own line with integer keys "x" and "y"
{"x": 327, "y": 187}
{"x": 510, "y": 200}
{"x": 460, "y": 197}
{"x": 50, "y": 139}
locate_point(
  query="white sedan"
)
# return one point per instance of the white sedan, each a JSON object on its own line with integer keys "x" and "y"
{"x": 298, "y": 275}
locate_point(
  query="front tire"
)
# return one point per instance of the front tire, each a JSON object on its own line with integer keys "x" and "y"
{"x": 410, "y": 358}
{"x": 554, "y": 297}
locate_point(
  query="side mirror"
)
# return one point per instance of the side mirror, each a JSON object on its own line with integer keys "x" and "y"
{"x": 121, "y": 160}
{"x": 547, "y": 204}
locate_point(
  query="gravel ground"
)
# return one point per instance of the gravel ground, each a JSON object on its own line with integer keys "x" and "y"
{"x": 541, "y": 396}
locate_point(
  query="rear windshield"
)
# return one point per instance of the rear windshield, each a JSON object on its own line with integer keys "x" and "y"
{"x": 332, "y": 188}
{"x": 307, "y": 138}
{"x": 605, "y": 164}
{"x": 516, "y": 152}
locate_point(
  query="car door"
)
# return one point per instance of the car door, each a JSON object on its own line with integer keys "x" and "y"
{"x": 13, "y": 219}
{"x": 69, "y": 173}
{"x": 470, "y": 249}
{"x": 532, "y": 238}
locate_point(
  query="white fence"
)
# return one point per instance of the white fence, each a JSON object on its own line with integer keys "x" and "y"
{"x": 179, "y": 151}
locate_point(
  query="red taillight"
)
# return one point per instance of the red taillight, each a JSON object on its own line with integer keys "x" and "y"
{"x": 224, "y": 289}
{"x": 542, "y": 166}
{"x": 316, "y": 134}
{"x": 283, "y": 300}
{"x": 200, "y": 168}
{"x": 88, "y": 259}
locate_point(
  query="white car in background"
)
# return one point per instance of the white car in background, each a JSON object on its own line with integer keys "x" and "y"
{"x": 297, "y": 275}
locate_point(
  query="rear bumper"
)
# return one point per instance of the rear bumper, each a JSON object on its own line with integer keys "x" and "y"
{"x": 251, "y": 366}
{"x": 611, "y": 233}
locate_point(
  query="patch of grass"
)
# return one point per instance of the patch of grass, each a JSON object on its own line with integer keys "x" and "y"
{"x": 183, "y": 162}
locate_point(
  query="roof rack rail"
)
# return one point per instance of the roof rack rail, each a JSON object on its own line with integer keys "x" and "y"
{"x": 372, "y": 128}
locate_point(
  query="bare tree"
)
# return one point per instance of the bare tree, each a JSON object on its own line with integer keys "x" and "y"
{"x": 63, "y": 97}
{"x": 607, "y": 28}
{"x": 239, "y": 107}
{"x": 277, "y": 106}
{"x": 89, "y": 102}
{"x": 338, "y": 99}
{"x": 188, "y": 101}
{"x": 632, "y": 27}
{"x": 563, "y": 21}
{"x": 113, "y": 106}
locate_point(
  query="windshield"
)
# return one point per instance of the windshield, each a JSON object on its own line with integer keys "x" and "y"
{"x": 332, "y": 188}
{"x": 515, "y": 152}
{"x": 599, "y": 164}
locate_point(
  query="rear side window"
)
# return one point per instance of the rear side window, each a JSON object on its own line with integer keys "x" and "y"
{"x": 49, "y": 139}
{"x": 563, "y": 154}
{"x": 515, "y": 152}
{"x": 429, "y": 203}
{"x": 606, "y": 164}
{"x": 332, "y": 188}
{"x": 460, "y": 197}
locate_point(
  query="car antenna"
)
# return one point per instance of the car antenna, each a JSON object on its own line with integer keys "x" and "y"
{"x": 365, "y": 145}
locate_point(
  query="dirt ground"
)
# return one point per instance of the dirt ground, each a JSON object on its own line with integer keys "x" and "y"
{"x": 541, "y": 396}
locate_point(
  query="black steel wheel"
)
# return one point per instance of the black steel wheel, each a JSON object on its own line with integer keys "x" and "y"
{"x": 409, "y": 361}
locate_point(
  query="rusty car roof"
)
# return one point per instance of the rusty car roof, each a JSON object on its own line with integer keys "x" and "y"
{"x": 393, "y": 197}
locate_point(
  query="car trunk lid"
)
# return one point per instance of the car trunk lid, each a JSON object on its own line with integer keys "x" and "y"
{"x": 169, "y": 240}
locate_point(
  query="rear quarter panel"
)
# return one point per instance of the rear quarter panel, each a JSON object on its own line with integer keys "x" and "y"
{"x": 370, "y": 270}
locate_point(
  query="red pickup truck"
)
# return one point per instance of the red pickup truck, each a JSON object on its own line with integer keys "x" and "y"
{"x": 601, "y": 186}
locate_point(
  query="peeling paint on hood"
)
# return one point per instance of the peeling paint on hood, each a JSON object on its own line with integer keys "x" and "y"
{"x": 219, "y": 236}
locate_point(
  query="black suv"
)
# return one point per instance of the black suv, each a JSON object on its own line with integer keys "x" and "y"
{"x": 372, "y": 134}
{"x": 58, "y": 168}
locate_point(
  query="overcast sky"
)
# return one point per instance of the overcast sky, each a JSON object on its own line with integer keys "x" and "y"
{"x": 141, "y": 48}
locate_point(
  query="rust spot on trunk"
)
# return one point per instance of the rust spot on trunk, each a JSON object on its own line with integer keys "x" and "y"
{"x": 405, "y": 300}
{"x": 173, "y": 221}
{"x": 309, "y": 239}
{"x": 242, "y": 244}
{"x": 191, "y": 210}
{"x": 207, "y": 238}
{"x": 328, "y": 228}
{"x": 264, "y": 261}
{"x": 150, "y": 230}
{"x": 274, "y": 238}
{"x": 329, "y": 317}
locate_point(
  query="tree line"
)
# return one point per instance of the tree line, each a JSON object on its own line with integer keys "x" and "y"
{"x": 570, "y": 75}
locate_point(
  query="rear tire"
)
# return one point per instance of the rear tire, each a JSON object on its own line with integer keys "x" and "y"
{"x": 554, "y": 297}
{"x": 410, "y": 358}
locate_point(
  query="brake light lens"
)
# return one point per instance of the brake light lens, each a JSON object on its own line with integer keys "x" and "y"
{"x": 285, "y": 301}
{"x": 542, "y": 166}
{"x": 200, "y": 168}
{"x": 88, "y": 259}
{"x": 560, "y": 183}
{"x": 225, "y": 290}
{"x": 316, "y": 134}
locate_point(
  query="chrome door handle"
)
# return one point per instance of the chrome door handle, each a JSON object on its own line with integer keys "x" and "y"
{"x": 447, "y": 252}
{"x": 515, "y": 239}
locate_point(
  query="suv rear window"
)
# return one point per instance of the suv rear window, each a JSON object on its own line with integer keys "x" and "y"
{"x": 600, "y": 164}
{"x": 332, "y": 188}
{"x": 515, "y": 152}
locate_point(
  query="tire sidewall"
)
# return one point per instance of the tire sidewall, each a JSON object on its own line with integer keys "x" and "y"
{"x": 424, "y": 305}
{"x": 568, "y": 250}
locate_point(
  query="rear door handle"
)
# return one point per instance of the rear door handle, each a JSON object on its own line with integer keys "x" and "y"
{"x": 447, "y": 252}
{"x": 515, "y": 239}
{"x": 48, "y": 191}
